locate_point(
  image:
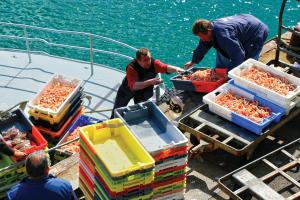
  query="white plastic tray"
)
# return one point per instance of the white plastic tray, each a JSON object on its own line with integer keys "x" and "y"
{"x": 171, "y": 163}
{"x": 33, "y": 104}
{"x": 286, "y": 102}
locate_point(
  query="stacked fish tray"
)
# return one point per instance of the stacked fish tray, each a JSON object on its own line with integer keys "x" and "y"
{"x": 167, "y": 145}
{"x": 56, "y": 106}
{"x": 71, "y": 134}
{"x": 268, "y": 82}
{"x": 257, "y": 96}
{"x": 20, "y": 134}
{"x": 113, "y": 164}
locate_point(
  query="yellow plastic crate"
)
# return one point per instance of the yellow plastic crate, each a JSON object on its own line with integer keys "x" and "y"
{"x": 116, "y": 147}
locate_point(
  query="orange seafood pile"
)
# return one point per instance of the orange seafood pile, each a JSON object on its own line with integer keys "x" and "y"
{"x": 263, "y": 78}
{"x": 208, "y": 75}
{"x": 243, "y": 106}
{"x": 74, "y": 146}
{"x": 55, "y": 95}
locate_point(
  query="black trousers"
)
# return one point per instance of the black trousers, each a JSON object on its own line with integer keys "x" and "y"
{"x": 124, "y": 95}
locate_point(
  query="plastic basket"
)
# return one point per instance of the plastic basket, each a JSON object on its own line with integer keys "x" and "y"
{"x": 119, "y": 185}
{"x": 85, "y": 190}
{"x": 199, "y": 86}
{"x": 33, "y": 104}
{"x": 116, "y": 147}
{"x": 82, "y": 120}
{"x": 286, "y": 102}
{"x": 151, "y": 127}
{"x": 18, "y": 120}
{"x": 57, "y": 134}
{"x": 170, "y": 163}
{"x": 169, "y": 185}
{"x": 277, "y": 112}
{"x": 177, "y": 151}
{"x": 138, "y": 195}
{"x": 50, "y": 121}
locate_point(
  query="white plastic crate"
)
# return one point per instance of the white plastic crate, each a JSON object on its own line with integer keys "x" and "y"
{"x": 33, "y": 104}
{"x": 171, "y": 163}
{"x": 287, "y": 102}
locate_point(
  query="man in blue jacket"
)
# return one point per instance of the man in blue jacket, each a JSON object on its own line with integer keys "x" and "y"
{"x": 235, "y": 38}
{"x": 40, "y": 185}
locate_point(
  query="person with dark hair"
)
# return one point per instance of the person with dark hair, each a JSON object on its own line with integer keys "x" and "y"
{"x": 235, "y": 38}
{"x": 40, "y": 184}
{"x": 140, "y": 78}
{"x": 5, "y": 149}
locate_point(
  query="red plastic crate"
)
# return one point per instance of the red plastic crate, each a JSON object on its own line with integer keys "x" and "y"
{"x": 62, "y": 130}
{"x": 175, "y": 180}
{"x": 199, "y": 86}
{"x": 18, "y": 119}
{"x": 203, "y": 86}
{"x": 177, "y": 151}
{"x": 87, "y": 181}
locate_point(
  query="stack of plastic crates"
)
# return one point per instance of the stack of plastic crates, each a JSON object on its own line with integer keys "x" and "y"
{"x": 10, "y": 174}
{"x": 113, "y": 164}
{"x": 73, "y": 132}
{"x": 167, "y": 145}
{"x": 12, "y": 170}
{"x": 53, "y": 122}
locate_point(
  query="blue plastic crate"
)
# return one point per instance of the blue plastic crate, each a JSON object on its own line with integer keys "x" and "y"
{"x": 83, "y": 120}
{"x": 151, "y": 127}
{"x": 257, "y": 128}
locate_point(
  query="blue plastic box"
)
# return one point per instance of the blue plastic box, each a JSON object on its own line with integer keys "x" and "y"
{"x": 257, "y": 128}
{"x": 151, "y": 127}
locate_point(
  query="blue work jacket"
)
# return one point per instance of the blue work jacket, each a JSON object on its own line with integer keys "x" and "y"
{"x": 235, "y": 37}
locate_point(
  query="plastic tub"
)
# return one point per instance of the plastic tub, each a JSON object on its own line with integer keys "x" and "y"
{"x": 277, "y": 112}
{"x": 281, "y": 100}
{"x": 199, "y": 86}
{"x": 33, "y": 104}
{"x": 151, "y": 127}
{"x": 116, "y": 147}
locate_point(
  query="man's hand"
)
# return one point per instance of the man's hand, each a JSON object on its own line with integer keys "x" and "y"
{"x": 156, "y": 81}
{"x": 19, "y": 154}
{"x": 179, "y": 70}
{"x": 189, "y": 64}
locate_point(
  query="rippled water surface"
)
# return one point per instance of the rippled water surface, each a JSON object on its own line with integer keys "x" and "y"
{"x": 162, "y": 26}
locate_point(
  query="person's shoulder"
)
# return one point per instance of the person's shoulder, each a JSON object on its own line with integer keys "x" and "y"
{"x": 60, "y": 182}
{"x": 13, "y": 191}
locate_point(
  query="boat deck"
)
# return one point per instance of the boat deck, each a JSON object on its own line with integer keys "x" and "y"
{"x": 21, "y": 80}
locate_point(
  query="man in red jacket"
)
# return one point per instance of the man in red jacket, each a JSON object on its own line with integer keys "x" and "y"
{"x": 140, "y": 78}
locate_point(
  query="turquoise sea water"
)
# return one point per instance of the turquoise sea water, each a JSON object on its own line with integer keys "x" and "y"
{"x": 162, "y": 26}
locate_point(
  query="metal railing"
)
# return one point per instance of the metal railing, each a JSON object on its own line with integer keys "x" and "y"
{"x": 91, "y": 50}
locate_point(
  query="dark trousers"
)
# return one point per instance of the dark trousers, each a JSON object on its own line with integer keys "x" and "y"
{"x": 122, "y": 99}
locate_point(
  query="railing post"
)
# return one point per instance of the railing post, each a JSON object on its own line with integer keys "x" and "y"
{"x": 91, "y": 55}
{"x": 27, "y": 44}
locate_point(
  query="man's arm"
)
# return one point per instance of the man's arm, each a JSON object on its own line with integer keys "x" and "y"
{"x": 134, "y": 84}
{"x": 5, "y": 149}
{"x": 199, "y": 53}
{"x": 143, "y": 84}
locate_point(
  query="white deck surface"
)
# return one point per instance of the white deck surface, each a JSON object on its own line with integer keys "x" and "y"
{"x": 21, "y": 80}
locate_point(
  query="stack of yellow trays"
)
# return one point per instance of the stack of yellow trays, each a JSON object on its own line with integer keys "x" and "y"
{"x": 113, "y": 164}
